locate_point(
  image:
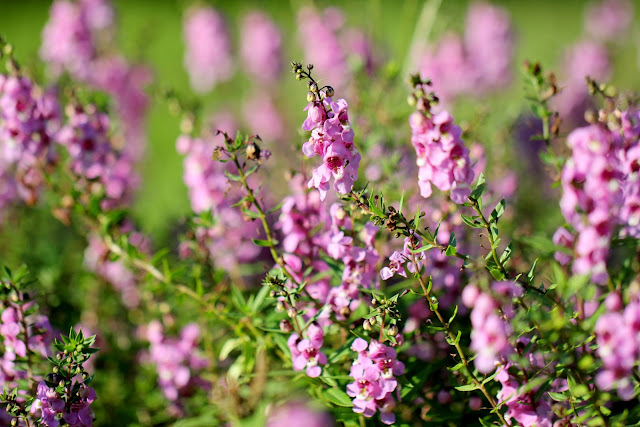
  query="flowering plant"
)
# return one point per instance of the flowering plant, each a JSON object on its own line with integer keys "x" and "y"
{"x": 391, "y": 262}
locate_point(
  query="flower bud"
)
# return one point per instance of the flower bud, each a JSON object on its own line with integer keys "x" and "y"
{"x": 345, "y": 311}
{"x": 252, "y": 151}
{"x": 311, "y": 97}
{"x": 280, "y": 306}
{"x": 309, "y": 67}
{"x": 393, "y": 330}
{"x": 292, "y": 312}
{"x": 14, "y": 422}
{"x": 366, "y": 325}
{"x": 56, "y": 369}
{"x": 61, "y": 383}
{"x": 330, "y": 91}
{"x": 285, "y": 326}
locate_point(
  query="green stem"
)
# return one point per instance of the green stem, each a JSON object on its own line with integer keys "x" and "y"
{"x": 454, "y": 342}
{"x": 487, "y": 225}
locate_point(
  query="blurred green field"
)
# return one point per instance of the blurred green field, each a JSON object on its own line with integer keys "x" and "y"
{"x": 150, "y": 30}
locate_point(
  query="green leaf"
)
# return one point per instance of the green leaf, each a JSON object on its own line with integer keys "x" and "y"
{"x": 401, "y": 202}
{"x": 264, "y": 243}
{"x": 338, "y": 397}
{"x": 451, "y": 249}
{"x": 472, "y": 221}
{"x": 558, "y": 397}
{"x": 453, "y": 316}
{"x": 480, "y": 185}
{"x": 507, "y": 253}
{"x": 498, "y": 211}
{"x": 251, "y": 170}
{"x": 277, "y": 207}
{"x": 468, "y": 387}
{"x": 531, "y": 273}
{"x": 497, "y": 274}
{"x": 232, "y": 177}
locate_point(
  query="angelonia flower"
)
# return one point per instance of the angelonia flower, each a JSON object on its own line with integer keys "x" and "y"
{"x": 442, "y": 157}
{"x": 79, "y": 39}
{"x": 228, "y": 239}
{"x": 29, "y": 122}
{"x": 87, "y": 138}
{"x": 67, "y": 39}
{"x": 305, "y": 352}
{"x": 301, "y": 413}
{"x": 608, "y": 19}
{"x": 399, "y": 261}
{"x": 591, "y": 197}
{"x": 522, "y": 406}
{"x": 562, "y": 237}
{"x": 375, "y": 384}
{"x": 53, "y": 407}
{"x": 490, "y": 332}
{"x": 126, "y": 83}
{"x": 261, "y": 47}
{"x": 208, "y": 58}
{"x": 14, "y": 343}
{"x": 476, "y": 63}
{"x": 617, "y": 334}
{"x": 331, "y": 139}
{"x": 177, "y": 361}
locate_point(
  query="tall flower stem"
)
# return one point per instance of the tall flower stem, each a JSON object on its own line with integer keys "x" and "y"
{"x": 454, "y": 341}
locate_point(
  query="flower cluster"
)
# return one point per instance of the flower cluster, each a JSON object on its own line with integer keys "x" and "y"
{"x": 477, "y": 63}
{"x": 15, "y": 343}
{"x": 228, "y": 239}
{"x": 54, "y": 407}
{"x": 65, "y": 393}
{"x": 490, "y": 334}
{"x": 609, "y": 19}
{"x": 208, "y": 56}
{"x": 93, "y": 157}
{"x": 374, "y": 373}
{"x": 305, "y": 352}
{"x": 442, "y": 157}
{"x": 591, "y": 196}
{"x": 331, "y": 138}
{"x": 177, "y": 361}
{"x": 29, "y": 122}
{"x": 261, "y": 47}
{"x": 617, "y": 334}
{"x": 79, "y": 39}
{"x": 522, "y": 405}
{"x": 397, "y": 260}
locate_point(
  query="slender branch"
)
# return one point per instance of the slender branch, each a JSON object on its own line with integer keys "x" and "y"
{"x": 455, "y": 343}
{"x": 487, "y": 225}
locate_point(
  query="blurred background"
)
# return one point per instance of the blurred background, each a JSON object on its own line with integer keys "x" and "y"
{"x": 150, "y": 32}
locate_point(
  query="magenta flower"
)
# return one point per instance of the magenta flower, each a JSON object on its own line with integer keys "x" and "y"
{"x": 208, "y": 57}
{"x": 332, "y": 139}
{"x": 305, "y": 353}
{"x": 261, "y": 47}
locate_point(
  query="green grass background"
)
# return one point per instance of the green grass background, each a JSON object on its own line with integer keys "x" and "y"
{"x": 150, "y": 30}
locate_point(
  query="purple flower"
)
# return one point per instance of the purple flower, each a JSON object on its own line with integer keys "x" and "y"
{"x": 609, "y": 19}
{"x": 332, "y": 139}
{"x": 442, "y": 157}
{"x": 305, "y": 353}
{"x": 208, "y": 57}
{"x": 177, "y": 361}
{"x": 261, "y": 47}
{"x": 374, "y": 385}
